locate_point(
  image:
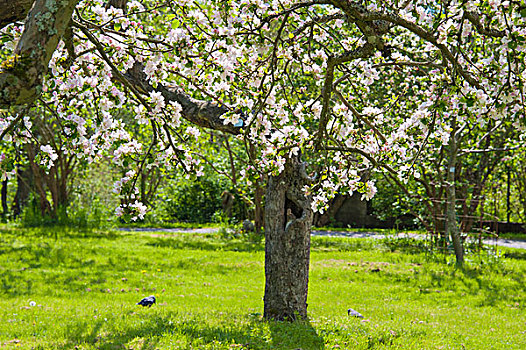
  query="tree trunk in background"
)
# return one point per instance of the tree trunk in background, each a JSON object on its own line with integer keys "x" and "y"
{"x": 259, "y": 210}
{"x": 259, "y": 220}
{"x": 451, "y": 218}
{"x": 334, "y": 206}
{"x": 520, "y": 184}
{"x": 4, "y": 198}
{"x": 38, "y": 181}
{"x": 23, "y": 188}
{"x": 288, "y": 222}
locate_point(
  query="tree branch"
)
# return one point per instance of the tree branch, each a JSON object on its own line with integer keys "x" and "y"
{"x": 487, "y": 150}
{"x": 359, "y": 14}
{"x": 21, "y": 77}
{"x": 475, "y": 20}
{"x": 360, "y": 52}
{"x": 202, "y": 113}
{"x": 13, "y": 11}
{"x": 317, "y": 20}
{"x": 360, "y": 117}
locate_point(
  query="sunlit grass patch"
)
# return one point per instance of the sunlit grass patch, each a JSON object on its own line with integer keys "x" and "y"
{"x": 62, "y": 290}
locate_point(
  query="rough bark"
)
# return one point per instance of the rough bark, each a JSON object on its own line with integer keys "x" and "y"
{"x": 288, "y": 221}
{"x": 451, "y": 217}
{"x": 13, "y": 11}
{"x": 21, "y": 76}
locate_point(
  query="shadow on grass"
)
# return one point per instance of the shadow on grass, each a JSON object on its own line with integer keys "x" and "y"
{"x": 494, "y": 284}
{"x": 196, "y": 333}
{"x": 341, "y": 244}
{"x": 235, "y": 245}
{"x": 495, "y": 291}
{"x": 61, "y": 231}
{"x": 13, "y": 284}
{"x": 295, "y": 335}
{"x": 518, "y": 255}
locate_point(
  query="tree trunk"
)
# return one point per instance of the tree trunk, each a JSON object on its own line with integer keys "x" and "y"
{"x": 4, "y": 199}
{"x": 39, "y": 182}
{"x": 334, "y": 206}
{"x": 288, "y": 222}
{"x": 24, "y": 182}
{"x": 451, "y": 222}
{"x": 259, "y": 220}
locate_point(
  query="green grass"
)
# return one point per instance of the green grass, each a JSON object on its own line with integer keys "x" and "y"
{"x": 170, "y": 225}
{"x": 78, "y": 291}
{"x": 513, "y": 236}
{"x": 383, "y": 231}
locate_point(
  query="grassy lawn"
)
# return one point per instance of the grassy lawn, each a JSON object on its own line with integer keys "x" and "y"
{"x": 79, "y": 292}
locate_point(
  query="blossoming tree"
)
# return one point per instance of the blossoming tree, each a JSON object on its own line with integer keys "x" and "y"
{"x": 318, "y": 91}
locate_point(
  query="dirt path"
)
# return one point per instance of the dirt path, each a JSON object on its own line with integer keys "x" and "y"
{"x": 353, "y": 234}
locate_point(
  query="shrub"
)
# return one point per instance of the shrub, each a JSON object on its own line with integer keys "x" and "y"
{"x": 196, "y": 201}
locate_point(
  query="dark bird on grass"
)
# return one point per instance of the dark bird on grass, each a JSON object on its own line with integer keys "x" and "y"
{"x": 148, "y": 301}
{"x": 354, "y": 313}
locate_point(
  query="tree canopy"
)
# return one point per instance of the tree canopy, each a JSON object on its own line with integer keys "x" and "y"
{"x": 357, "y": 84}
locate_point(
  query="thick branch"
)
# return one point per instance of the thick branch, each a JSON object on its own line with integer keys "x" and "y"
{"x": 21, "y": 77}
{"x": 203, "y": 113}
{"x": 13, "y": 11}
{"x": 475, "y": 20}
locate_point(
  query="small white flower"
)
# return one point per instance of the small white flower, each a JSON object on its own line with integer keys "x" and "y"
{"x": 370, "y": 190}
{"x": 50, "y": 151}
{"x": 32, "y": 303}
{"x": 158, "y": 100}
